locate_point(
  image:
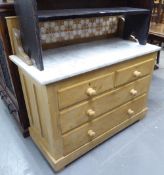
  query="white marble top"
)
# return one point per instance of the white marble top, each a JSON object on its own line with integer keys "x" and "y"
{"x": 65, "y": 62}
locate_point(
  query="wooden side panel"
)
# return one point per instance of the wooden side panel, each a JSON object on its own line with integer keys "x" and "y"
{"x": 43, "y": 115}
{"x": 26, "y": 96}
{"x": 12, "y": 22}
{"x": 35, "y": 107}
{"x": 40, "y": 109}
{"x": 56, "y": 141}
{"x": 42, "y": 106}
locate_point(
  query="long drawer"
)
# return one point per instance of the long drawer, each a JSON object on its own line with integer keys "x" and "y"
{"x": 85, "y": 90}
{"x": 97, "y": 127}
{"x": 84, "y": 112}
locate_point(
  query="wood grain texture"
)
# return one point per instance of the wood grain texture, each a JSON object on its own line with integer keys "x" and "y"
{"x": 128, "y": 74}
{"x": 79, "y": 136}
{"x": 36, "y": 108}
{"x": 12, "y": 22}
{"x": 99, "y": 84}
{"x": 15, "y": 38}
{"x": 157, "y": 30}
{"x": 76, "y": 115}
{"x": 58, "y": 165}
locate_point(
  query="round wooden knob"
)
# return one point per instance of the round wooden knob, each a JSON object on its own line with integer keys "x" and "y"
{"x": 91, "y": 133}
{"x": 91, "y": 92}
{"x": 130, "y": 112}
{"x": 91, "y": 113}
{"x": 133, "y": 92}
{"x": 137, "y": 73}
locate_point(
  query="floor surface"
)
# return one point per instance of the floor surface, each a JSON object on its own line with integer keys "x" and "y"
{"x": 138, "y": 150}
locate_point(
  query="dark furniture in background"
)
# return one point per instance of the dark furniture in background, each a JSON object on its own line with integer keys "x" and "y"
{"x": 156, "y": 36}
{"x": 156, "y": 32}
{"x": 137, "y": 18}
{"x": 10, "y": 86}
{"x": 158, "y": 11}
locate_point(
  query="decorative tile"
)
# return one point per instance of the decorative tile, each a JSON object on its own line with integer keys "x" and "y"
{"x": 70, "y": 29}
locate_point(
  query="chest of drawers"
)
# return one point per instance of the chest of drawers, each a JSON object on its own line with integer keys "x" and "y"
{"x": 72, "y": 116}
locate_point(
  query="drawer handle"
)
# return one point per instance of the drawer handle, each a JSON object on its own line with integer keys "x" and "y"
{"x": 130, "y": 112}
{"x": 91, "y": 92}
{"x": 133, "y": 92}
{"x": 91, "y": 113}
{"x": 91, "y": 133}
{"x": 137, "y": 74}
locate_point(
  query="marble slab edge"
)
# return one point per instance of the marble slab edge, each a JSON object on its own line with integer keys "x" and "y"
{"x": 45, "y": 77}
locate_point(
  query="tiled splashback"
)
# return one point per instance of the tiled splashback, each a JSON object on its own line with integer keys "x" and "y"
{"x": 79, "y": 28}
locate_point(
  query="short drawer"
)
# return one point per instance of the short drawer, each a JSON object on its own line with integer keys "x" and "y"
{"x": 85, "y": 90}
{"x": 88, "y": 132}
{"x": 133, "y": 72}
{"x": 79, "y": 114}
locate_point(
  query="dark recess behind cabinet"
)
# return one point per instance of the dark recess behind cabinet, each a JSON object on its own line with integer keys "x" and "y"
{"x": 10, "y": 86}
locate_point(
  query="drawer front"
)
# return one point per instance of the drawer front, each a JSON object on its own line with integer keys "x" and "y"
{"x": 99, "y": 126}
{"x": 85, "y": 90}
{"x": 79, "y": 114}
{"x": 133, "y": 72}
